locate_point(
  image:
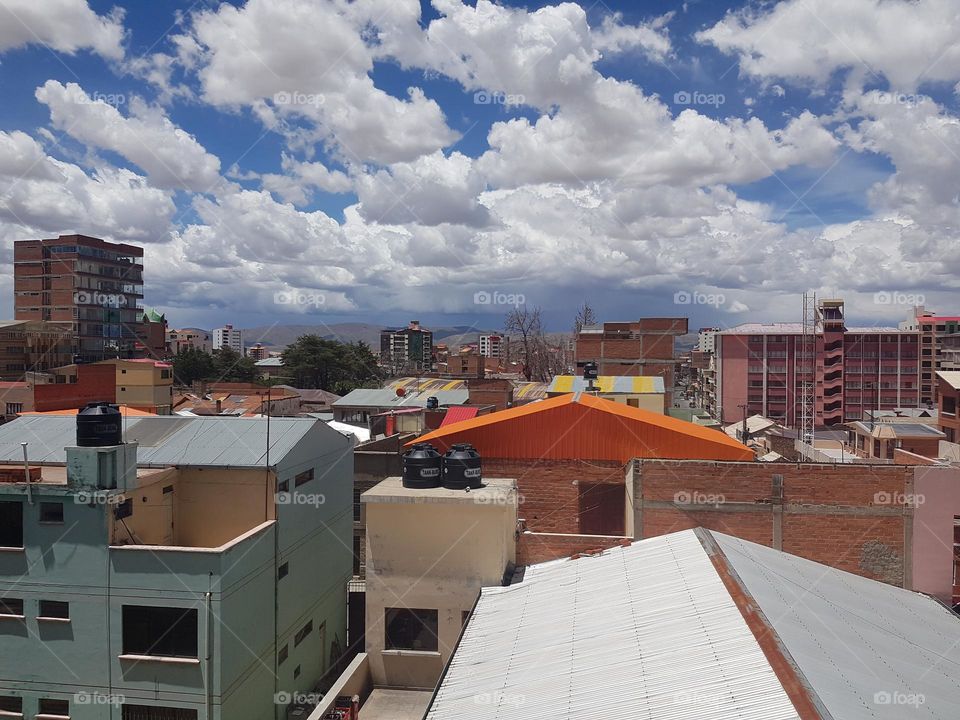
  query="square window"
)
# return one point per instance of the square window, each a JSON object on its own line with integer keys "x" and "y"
{"x": 11, "y": 704}
{"x": 11, "y": 606}
{"x": 283, "y": 571}
{"x": 51, "y": 512}
{"x": 55, "y": 707}
{"x": 410, "y": 629}
{"x": 55, "y": 609}
{"x": 283, "y": 486}
{"x": 302, "y": 633}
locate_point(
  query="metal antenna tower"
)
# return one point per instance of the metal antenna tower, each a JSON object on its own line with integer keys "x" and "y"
{"x": 808, "y": 368}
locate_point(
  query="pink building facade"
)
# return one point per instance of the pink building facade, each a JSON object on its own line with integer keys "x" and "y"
{"x": 856, "y": 370}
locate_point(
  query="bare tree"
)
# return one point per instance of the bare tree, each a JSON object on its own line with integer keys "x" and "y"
{"x": 585, "y": 316}
{"x": 524, "y": 323}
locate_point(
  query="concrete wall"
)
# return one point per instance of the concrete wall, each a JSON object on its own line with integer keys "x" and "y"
{"x": 937, "y": 492}
{"x": 435, "y": 556}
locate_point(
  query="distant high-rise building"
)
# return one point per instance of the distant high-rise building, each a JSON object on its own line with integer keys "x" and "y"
{"x": 188, "y": 338}
{"x": 857, "y": 370}
{"x": 228, "y": 336}
{"x": 705, "y": 339}
{"x": 258, "y": 352}
{"x": 937, "y": 347}
{"x": 95, "y": 285}
{"x": 494, "y": 346}
{"x": 407, "y": 349}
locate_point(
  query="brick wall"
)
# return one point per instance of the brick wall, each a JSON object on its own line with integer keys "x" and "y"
{"x": 541, "y": 547}
{"x": 95, "y": 383}
{"x": 848, "y": 516}
{"x": 552, "y": 493}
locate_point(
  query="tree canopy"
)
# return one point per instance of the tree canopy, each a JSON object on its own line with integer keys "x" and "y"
{"x": 338, "y": 367}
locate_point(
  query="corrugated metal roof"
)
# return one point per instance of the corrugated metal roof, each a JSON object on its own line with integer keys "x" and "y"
{"x": 459, "y": 413}
{"x": 647, "y": 631}
{"x": 865, "y": 647}
{"x": 584, "y": 427}
{"x": 387, "y": 398}
{"x": 608, "y": 384}
{"x": 795, "y": 328}
{"x": 897, "y": 429}
{"x": 168, "y": 440}
{"x": 951, "y": 377}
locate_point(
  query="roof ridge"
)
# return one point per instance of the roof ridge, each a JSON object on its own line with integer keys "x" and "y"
{"x": 795, "y": 684}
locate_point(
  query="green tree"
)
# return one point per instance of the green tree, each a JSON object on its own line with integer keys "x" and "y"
{"x": 190, "y": 365}
{"x": 315, "y": 362}
{"x": 231, "y": 366}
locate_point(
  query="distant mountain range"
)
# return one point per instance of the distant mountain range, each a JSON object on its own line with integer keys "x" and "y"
{"x": 283, "y": 335}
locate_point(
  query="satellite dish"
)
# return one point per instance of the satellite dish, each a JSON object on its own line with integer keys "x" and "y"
{"x": 401, "y": 392}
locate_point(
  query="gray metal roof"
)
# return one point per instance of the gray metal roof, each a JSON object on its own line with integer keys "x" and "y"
{"x": 651, "y": 631}
{"x": 388, "y": 398}
{"x": 864, "y": 646}
{"x": 169, "y": 440}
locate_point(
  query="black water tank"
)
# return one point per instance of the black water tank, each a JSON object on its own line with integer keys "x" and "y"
{"x": 99, "y": 424}
{"x": 432, "y": 403}
{"x": 422, "y": 466}
{"x": 590, "y": 371}
{"x": 461, "y": 468}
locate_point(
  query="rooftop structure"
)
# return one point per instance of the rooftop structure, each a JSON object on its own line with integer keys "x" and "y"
{"x": 704, "y": 626}
{"x": 642, "y": 392}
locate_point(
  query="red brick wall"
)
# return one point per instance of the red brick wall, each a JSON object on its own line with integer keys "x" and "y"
{"x": 551, "y": 491}
{"x": 847, "y": 516}
{"x": 95, "y": 383}
{"x": 541, "y": 547}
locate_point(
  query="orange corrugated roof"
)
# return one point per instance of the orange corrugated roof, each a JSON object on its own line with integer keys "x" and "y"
{"x": 124, "y": 410}
{"x": 584, "y": 427}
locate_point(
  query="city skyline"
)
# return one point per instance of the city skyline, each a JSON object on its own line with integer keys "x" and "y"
{"x": 654, "y": 160}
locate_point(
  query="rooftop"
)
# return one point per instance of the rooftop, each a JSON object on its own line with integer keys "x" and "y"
{"x": 896, "y": 430}
{"x": 951, "y": 377}
{"x": 388, "y": 398}
{"x": 495, "y": 491}
{"x": 795, "y": 328}
{"x": 608, "y": 384}
{"x": 698, "y": 625}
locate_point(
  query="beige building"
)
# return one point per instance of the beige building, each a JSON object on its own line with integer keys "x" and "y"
{"x": 145, "y": 385}
{"x": 429, "y": 551}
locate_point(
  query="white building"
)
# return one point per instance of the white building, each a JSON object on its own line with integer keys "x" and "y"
{"x": 706, "y": 339}
{"x": 228, "y": 336}
{"x": 494, "y": 346}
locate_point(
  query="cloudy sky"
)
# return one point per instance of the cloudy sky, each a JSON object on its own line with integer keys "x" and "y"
{"x": 302, "y": 161}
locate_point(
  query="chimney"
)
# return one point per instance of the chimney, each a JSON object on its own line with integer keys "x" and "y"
{"x": 219, "y": 406}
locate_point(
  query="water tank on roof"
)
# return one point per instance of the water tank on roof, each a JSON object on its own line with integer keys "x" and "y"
{"x": 461, "y": 468}
{"x": 99, "y": 424}
{"x": 432, "y": 403}
{"x": 590, "y": 371}
{"x": 422, "y": 466}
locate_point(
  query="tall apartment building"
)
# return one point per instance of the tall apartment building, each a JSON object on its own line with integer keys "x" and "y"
{"x": 33, "y": 346}
{"x": 95, "y": 285}
{"x": 706, "y": 339}
{"x": 410, "y": 348}
{"x": 175, "y": 579}
{"x": 188, "y": 338}
{"x": 641, "y": 347}
{"x": 228, "y": 336}
{"x": 935, "y": 347}
{"x": 494, "y": 346}
{"x": 856, "y": 369}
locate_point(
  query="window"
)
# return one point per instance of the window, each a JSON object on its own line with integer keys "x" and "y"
{"x": 11, "y": 524}
{"x": 165, "y": 631}
{"x": 152, "y": 712}
{"x": 14, "y": 408}
{"x": 303, "y": 478}
{"x": 51, "y": 512}
{"x": 283, "y": 486}
{"x": 283, "y": 654}
{"x": 408, "y": 629}
{"x": 283, "y": 571}
{"x": 54, "y": 609}
{"x": 11, "y": 606}
{"x": 302, "y": 633}
{"x": 949, "y": 405}
{"x": 11, "y": 704}
{"x": 60, "y": 708}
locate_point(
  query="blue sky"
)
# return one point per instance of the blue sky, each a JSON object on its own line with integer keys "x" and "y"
{"x": 652, "y": 158}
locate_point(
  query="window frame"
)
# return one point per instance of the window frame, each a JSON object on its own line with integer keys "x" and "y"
{"x": 425, "y": 640}
{"x": 44, "y": 506}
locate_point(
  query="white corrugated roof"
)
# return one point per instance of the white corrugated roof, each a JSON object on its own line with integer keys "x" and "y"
{"x": 647, "y": 631}
{"x": 651, "y": 631}
{"x": 951, "y": 377}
